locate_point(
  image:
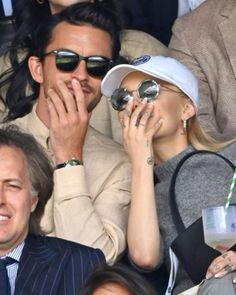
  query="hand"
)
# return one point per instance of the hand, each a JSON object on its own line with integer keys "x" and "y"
{"x": 139, "y": 126}
{"x": 222, "y": 265}
{"x": 69, "y": 120}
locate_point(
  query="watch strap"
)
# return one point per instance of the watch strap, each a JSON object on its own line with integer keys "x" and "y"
{"x": 69, "y": 163}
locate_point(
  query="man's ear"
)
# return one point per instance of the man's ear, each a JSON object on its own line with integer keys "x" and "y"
{"x": 35, "y": 66}
{"x": 34, "y": 203}
{"x": 188, "y": 110}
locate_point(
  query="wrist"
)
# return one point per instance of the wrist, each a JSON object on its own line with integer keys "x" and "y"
{"x": 66, "y": 154}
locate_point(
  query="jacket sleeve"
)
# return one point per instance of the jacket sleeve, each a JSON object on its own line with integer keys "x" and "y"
{"x": 94, "y": 214}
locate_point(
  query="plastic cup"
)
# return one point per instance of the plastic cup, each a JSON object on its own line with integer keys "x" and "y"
{"x": 219, "y": 226}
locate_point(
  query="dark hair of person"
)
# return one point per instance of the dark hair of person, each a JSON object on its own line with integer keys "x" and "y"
{"x": 26, "y": 17}
{"x": 23, "y": 90}
{"x": 39, "y": 168}
{"x": 118, "y": 274}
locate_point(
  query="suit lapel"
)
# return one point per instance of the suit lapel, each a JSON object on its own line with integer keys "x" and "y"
{"x": 227, "y": 28}
{"x": 40, "y": 269}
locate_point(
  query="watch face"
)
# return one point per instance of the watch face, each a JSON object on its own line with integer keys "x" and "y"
{"x": 72, "y": 162}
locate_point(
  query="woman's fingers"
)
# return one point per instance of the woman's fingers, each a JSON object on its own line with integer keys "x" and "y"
{"x": 126, "y": 114}
{"x": 144, "y": 115}
{"x": 136, "y": 113}
{"x": 222, "y": 265}
{"x": 139, "y": 120}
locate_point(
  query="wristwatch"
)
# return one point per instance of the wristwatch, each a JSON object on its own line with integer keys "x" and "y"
{"x": 69, "y": 163}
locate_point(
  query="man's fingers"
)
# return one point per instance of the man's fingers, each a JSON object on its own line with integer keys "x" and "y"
{"x": 67, "y": 96}
{"x": 55, "y": 106}
{"x": 79, "y": 97}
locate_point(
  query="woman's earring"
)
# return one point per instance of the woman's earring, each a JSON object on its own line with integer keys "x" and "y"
{"x": 184, "y": 127}
{"x": 40, "y": 1}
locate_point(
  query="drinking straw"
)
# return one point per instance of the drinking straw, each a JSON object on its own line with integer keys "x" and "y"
{"x": 230, "y": 190}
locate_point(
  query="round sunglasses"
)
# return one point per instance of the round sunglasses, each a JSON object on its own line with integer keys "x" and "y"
{"x": 148, "y": 89}
{"x": 67, "y": 61}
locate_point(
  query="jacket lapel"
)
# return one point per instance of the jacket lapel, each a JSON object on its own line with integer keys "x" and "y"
{"x": 40, "y": 269}
{"x": 227, "y": 28}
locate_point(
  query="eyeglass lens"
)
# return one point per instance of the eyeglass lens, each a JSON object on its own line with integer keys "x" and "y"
{"x": 147, "y": 89}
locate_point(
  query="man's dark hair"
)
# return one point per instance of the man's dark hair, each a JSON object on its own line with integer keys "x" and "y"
{"x": 39, "y": 168}
{"x": 118, "y": 274}
{"x": 18, "y": 100}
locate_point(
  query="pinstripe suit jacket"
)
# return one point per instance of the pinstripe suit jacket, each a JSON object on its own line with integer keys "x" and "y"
{"x": 54, "y": 266}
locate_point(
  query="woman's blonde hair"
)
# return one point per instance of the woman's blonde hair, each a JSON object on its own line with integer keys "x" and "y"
{"x": 200, "y": 140}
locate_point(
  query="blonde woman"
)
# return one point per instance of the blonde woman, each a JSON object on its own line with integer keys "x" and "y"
{"x": 158, "y": 100}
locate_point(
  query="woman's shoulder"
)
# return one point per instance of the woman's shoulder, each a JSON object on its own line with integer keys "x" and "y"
{"x": 208, "y": 160}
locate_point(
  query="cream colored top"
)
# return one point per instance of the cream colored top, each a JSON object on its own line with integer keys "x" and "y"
{"x": 90, "y": 202}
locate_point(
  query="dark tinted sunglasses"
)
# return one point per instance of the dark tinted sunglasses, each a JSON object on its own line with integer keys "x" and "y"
{"x": 148, "y": 89}
{"x": 67, "y": 61}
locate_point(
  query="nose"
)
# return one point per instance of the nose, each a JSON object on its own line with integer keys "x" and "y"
{"x": 2, "y": 197}
{"x": 80, "y": 72}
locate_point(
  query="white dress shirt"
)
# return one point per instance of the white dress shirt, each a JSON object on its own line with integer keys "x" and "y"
{"x": 7, "y": 7}
{"x": 186, "y": 6}
{"x": 12, "y": 268}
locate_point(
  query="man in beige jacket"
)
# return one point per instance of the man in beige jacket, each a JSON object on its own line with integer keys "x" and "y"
{"x": 204, "y": 40}
{"x": 90, "y": 202}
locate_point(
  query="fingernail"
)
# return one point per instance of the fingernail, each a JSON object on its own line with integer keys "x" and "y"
{"x": 128, "y": 113}
{"x": 208, "y": 275}
{"x": 130, "y": 99}
{"x": 144, "y": 100}
{"x": 160, "y": 122}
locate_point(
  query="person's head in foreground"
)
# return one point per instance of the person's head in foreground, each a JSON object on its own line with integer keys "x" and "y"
{"x": 158, "y": 95}
{"x": 26, "y": 179}
{"x": 116, "y": 280}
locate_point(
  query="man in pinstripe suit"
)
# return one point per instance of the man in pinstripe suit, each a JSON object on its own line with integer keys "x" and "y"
{"x": 40, "y": 265}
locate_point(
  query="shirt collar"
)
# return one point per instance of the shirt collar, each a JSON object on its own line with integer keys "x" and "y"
{"x": 16, "y": 252}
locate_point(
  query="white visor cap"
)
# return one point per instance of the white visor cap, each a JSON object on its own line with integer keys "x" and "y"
{"x": 164, "y": 68}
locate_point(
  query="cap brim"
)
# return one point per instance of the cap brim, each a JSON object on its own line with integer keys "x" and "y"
{"x": 114, "y": 77}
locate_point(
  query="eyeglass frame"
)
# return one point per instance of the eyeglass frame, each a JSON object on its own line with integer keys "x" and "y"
{"x": 158, "y": 90}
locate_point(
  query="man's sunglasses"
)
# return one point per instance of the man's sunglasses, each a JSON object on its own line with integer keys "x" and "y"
{"x": 148, "y": 89}
{"x": 67, "y": 61}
